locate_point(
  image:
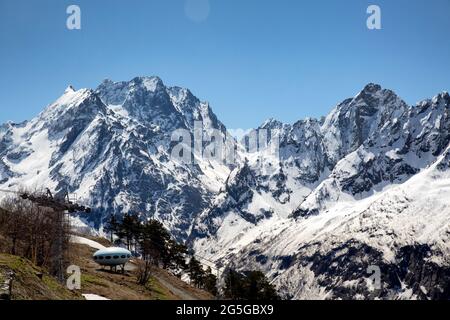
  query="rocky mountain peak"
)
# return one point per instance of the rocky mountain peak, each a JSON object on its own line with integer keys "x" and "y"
{"x": 272, "y": 124}
{"x": 442, "y": 97}
{"x": 74, "y": 103}
{"x": 151, "y": 83}
{"x": 70, "y": 89}
{"x": 372, "y": 88}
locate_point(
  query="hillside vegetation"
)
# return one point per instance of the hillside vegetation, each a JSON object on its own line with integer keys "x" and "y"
{"x": 162, "y": 285}
{"x": 32, "y": 282}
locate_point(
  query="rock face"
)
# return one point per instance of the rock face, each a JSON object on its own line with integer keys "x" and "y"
{"x": 364, "y": 188}
{"x": 6, "y": 284}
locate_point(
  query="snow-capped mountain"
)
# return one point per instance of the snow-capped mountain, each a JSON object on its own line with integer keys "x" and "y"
{"x": 342, "y": 198}
{"x": 111, "y": 147}
{"x": 403, "y": 231}
{"x": 366, "y": 186}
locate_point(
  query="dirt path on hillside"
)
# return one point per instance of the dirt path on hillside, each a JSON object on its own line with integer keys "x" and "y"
{"x": 175, "y": 285}
{"x": 177, "y": 291}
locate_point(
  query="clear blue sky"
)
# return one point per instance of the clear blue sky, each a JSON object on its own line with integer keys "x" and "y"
{"x": 251, "y": 59}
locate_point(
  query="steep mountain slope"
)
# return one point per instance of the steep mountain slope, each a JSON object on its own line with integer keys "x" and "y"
{"x": 404, "y": 231}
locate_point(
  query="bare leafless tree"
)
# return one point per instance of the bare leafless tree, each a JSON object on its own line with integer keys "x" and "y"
{"x": 144, "y": 271}
{"x": 36, "y": 233}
